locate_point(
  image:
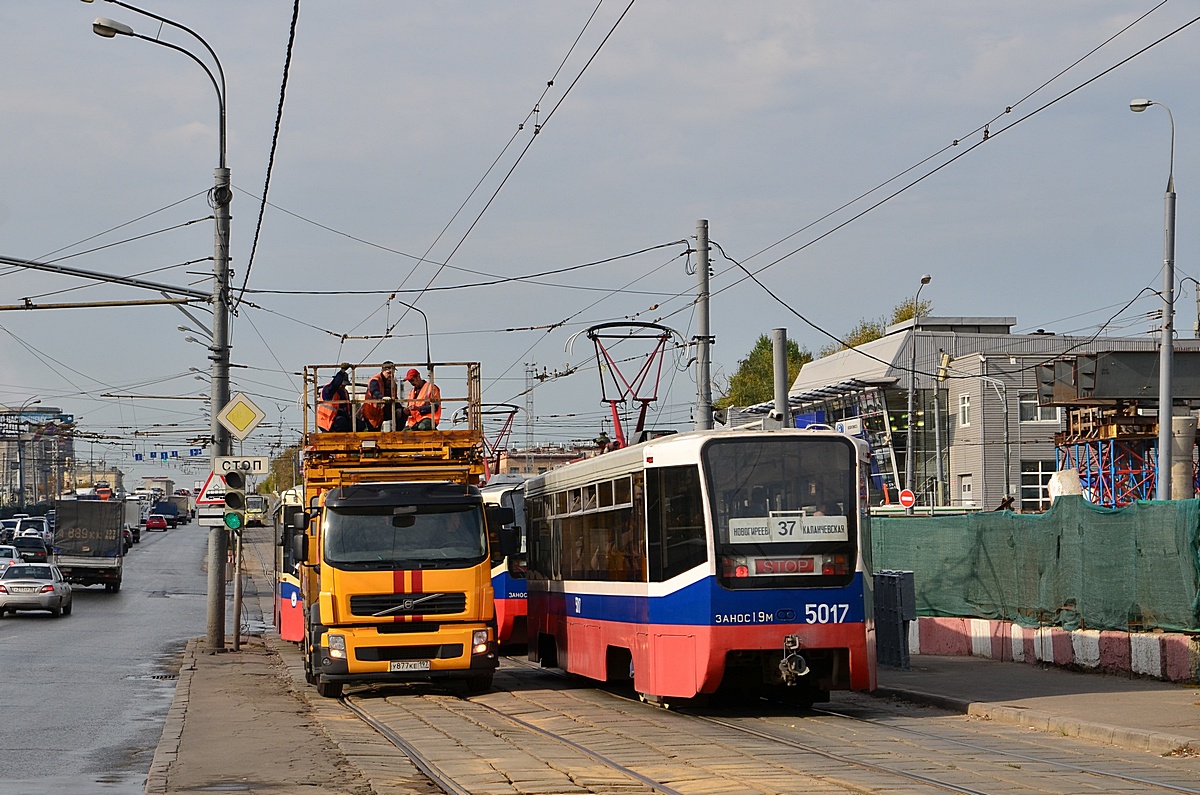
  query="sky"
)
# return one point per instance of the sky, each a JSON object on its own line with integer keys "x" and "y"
{"x": 541, "y": 167}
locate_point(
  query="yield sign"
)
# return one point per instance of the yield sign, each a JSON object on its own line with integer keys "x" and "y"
{"x": 213, "y": 491}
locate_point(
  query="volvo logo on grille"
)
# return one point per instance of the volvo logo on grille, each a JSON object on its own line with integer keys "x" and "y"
{"x": 407, "y": 604}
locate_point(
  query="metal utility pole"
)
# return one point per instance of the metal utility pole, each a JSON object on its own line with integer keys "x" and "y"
{"x": 912, "y": 388}
{"x": 1162, "y": 486}
{"x": 703, "y": 338}
{"x": 779, "y": 338}
{"x": 219, "y": 198}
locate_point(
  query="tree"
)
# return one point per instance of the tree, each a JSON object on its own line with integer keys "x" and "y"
{"x": 284, "y": 471}
{"x": 870, "y": 330}
{"x": 754, "y": 381}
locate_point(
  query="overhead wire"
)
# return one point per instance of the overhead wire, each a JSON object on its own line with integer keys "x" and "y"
{"x": 287, "y": 66}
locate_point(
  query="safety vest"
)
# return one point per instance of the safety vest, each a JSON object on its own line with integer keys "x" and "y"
{"x": 428, "y": 393}
{"x": 328, "y": 410}
{"x": 373, "y": 409}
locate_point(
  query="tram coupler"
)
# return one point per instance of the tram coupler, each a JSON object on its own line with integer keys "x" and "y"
{"x": 793, "y": 665}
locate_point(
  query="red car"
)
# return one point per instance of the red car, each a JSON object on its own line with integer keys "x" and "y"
{"x": 156, "y": 521}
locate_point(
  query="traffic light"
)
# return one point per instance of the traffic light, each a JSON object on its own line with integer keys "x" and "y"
{"x": 235, "y": 500}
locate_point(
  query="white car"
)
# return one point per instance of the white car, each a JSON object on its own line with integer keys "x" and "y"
{"x": 36, "y": 526}
{"x": 8, "y": 556}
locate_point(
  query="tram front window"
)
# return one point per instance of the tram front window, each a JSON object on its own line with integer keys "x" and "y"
{"x": 784, "y": 511}
{"x": 375, "y": 538}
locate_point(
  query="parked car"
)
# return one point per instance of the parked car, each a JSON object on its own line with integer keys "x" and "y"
{"x": 8, "y": 556}
{"x": 34, "y": 586}
{"x": 156, "y": 521}
{"x": 33, "y": 550}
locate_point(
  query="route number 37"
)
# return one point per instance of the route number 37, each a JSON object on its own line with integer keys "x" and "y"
{"x": 825, "y": 614}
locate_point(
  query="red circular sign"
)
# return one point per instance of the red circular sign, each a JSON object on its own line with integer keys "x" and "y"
{"x": 907, "y": 498}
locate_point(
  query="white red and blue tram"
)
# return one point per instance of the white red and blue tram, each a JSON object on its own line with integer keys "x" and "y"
{"x": 708, "y": 561}
{"x": 508, "y": 571}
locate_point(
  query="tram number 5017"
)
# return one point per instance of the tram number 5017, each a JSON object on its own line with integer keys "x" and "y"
{"x": 825, "y": 614}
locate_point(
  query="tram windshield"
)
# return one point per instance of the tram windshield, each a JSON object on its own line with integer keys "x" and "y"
{"x": 380, "y": 538}
{"x": 785, "y": 511}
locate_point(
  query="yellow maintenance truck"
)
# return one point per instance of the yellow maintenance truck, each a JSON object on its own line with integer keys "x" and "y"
{"x": 392, "y": 546}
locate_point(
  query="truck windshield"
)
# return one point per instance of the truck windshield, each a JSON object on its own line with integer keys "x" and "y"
{"x": 436, "y": 536}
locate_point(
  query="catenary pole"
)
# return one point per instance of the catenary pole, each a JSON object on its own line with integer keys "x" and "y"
{"x": 704, "y": 404}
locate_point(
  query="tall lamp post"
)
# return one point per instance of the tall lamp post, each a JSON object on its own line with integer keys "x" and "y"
{"x": 219, "y": 348}
{"x": 912, "y": 388}
{"x": 21, "y": 450}
{"x": 1162, "y": 487}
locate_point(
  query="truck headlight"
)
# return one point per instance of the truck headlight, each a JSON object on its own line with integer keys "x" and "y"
{"x": 479, "y": 641}
{"x": 337, "y": 646}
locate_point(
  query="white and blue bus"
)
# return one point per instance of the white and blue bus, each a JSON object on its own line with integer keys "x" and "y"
{"x": 705, "y": 562}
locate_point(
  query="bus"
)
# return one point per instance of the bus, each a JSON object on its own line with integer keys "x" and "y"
{"x": 727, "y": 561}
{"x": 508, "y": 571}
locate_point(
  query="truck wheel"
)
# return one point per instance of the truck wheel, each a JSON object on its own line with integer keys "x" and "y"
{"x": 477, "y": 685}
{"x": 329, "y": 689}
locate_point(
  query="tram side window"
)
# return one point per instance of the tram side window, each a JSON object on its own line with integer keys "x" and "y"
{"x": 674, "y": 521}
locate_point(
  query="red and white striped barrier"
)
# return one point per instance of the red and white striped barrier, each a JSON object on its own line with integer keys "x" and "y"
{"x": 1171, "y": 656}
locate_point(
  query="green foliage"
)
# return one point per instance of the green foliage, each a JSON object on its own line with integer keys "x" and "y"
{"x": 871, "y": 330}
{"x": 754, "y": 381}
{"x": 284, "y": 471}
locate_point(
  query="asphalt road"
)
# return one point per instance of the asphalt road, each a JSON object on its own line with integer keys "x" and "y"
{"x": 83, "y": 697}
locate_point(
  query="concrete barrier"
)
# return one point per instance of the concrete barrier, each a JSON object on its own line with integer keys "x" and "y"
{"x": 1170, "y": 656}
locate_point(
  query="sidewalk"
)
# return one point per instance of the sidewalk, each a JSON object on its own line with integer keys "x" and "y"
{"x": 247, "y": 721}
{"x": 1141, "y": 714}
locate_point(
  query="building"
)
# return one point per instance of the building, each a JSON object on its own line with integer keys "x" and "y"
{"x": 536, "y": 460}
{"x": 37, "y": 452}
{"x": 979, "y": 434}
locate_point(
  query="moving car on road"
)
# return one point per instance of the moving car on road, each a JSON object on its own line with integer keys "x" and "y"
{"x": 8, "y": 556}
{"x": 156, "y": 521}
{"x": 34, "y": 586}
{"x": 33, "y": 550}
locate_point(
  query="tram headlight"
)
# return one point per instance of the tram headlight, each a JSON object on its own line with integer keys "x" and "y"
{"x": 479, "y": 641}
{"x": 337, "y": 646}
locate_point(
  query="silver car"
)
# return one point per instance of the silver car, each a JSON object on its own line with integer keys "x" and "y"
{"x": 34, "y": 586}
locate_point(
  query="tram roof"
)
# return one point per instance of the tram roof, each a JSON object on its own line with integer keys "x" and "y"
{"x": 671, "y": 450}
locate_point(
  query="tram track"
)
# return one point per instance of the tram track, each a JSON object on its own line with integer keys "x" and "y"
{"x": 556, "y": 733}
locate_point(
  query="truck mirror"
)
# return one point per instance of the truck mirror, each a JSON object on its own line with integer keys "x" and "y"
{"x": 510, "y": 540}
{"x": 300, "y": 521}
{"x": 300, "y": 548}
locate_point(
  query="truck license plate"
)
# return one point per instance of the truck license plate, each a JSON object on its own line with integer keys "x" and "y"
{"x": 408, "y": 665}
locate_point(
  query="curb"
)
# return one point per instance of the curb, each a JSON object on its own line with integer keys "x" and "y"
{"x": 168, "y": 745}
{"x": 1133, "y": 739}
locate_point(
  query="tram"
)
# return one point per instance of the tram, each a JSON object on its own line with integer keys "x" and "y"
{"x": 729, "y": 561}
{"x": 508, "y": 571}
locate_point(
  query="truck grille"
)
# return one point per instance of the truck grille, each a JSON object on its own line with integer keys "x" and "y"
{"x": 445, "y": 651}
{"x": 417, "y": 604}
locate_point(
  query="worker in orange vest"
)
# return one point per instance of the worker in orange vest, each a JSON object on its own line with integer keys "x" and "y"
{"x": 333, "y": 409}
{"x": 424, "y": 403}
{"x": 380, "y": 404}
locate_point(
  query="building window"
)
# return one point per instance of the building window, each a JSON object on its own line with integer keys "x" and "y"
{"x": 1035, "y": 482}
{"x": 966, "y": 491}
{"x": 1030, "y": 411}
{"x": 964, "y": 410}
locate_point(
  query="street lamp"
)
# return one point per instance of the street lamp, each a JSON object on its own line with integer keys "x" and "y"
{"x": 219, "y": 198}
{"x": 1162, "y": 488}
{"x": 912, "y": 388}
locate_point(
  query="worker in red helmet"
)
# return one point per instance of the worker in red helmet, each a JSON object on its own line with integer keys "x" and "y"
{"x": 424, "y": 403}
